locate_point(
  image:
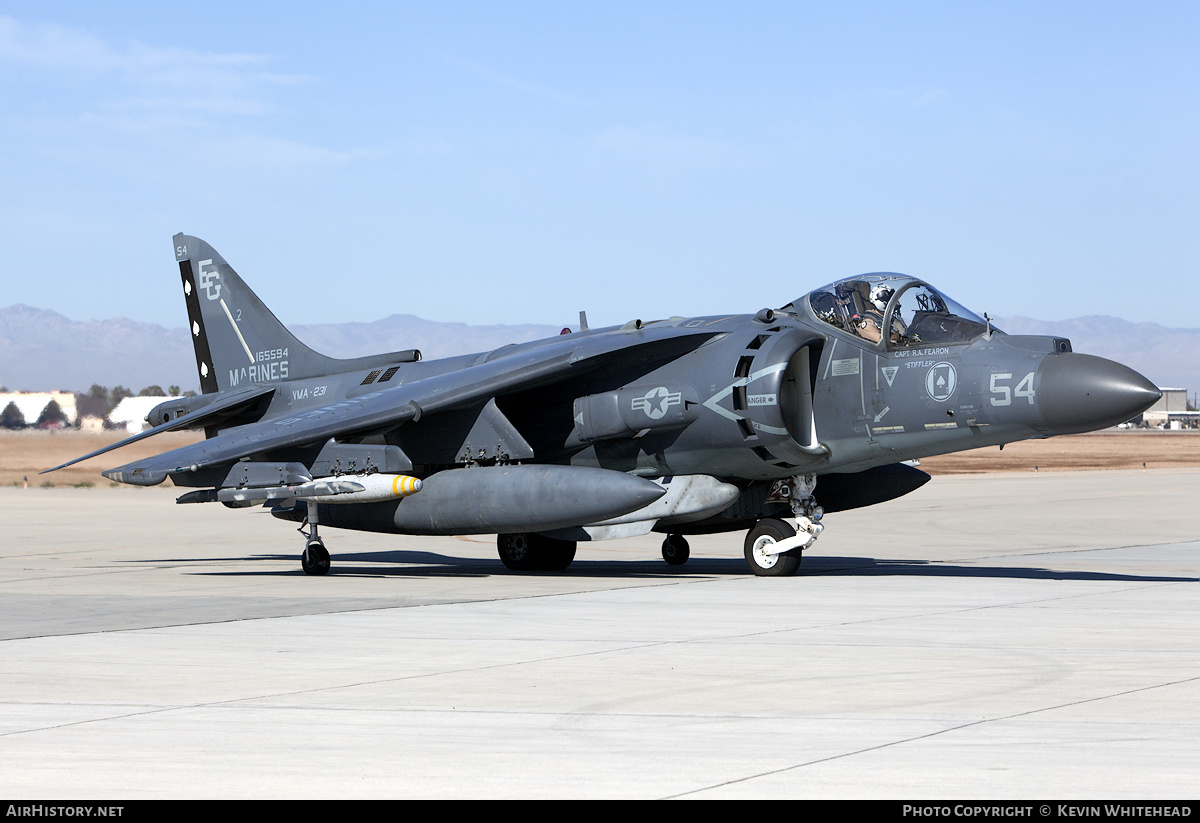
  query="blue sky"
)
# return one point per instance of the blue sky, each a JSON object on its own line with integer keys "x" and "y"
{"x": 517, "y": 162}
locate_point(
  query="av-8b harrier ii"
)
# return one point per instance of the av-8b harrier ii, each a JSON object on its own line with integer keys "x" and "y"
{"x": 691, "y": 425}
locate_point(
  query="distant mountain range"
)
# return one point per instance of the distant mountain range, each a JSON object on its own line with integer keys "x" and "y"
{"x": 40, "y": 350}
{"x": 1170, "y": 358}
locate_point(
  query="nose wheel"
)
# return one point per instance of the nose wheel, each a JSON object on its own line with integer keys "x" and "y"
{"x": 762, "y": 555}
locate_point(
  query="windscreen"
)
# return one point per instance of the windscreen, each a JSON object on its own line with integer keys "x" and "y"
{"x": 926, "y": 317}
{"x": 912, "y": 312}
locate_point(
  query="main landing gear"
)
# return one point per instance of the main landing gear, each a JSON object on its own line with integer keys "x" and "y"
{"x": 315, "y": 559}
{"x": 524, "y": 552}
{"x": 772, "y": 547}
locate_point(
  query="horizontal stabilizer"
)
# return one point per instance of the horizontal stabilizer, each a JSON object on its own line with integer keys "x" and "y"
{"x": 222, "y": 406}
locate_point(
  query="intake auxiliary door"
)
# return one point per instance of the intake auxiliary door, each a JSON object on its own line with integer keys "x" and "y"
{"x": 796, "y": 395}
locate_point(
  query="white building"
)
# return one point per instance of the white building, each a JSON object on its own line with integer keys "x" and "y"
{"x": 131, "y": 412}
{"x": 33, "y": 403}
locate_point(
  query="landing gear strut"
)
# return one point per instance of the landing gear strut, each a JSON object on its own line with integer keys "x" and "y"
{"x": 524, "y": 552}
{"x": 315, "y": 559}
{"x": 773, "y": 547}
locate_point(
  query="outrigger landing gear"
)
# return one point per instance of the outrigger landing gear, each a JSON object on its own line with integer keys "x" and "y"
{"x": 675, "y": 550}
{"x": 315, "y": 559}
{"x": 524, "y": 552}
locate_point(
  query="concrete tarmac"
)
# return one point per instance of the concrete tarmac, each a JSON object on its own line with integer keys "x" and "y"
{"x": 1004, "y": 636}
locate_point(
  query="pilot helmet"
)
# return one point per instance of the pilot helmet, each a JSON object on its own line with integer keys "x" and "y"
{"x": 881, "y": 293}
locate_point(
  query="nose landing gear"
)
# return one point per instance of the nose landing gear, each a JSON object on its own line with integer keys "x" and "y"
{"x": 762, "y": 549}
{"x": 773, "y": 548}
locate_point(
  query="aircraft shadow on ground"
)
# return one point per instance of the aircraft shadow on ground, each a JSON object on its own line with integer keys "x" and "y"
{"x": 924, "y": 568}
{"x": 432, "y": 564}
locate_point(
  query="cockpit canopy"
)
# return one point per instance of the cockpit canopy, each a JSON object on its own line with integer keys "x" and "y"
{"x": 914, "y": 313}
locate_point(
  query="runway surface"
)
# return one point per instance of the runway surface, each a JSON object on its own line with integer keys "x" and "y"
{"x": 1002, "y": 636}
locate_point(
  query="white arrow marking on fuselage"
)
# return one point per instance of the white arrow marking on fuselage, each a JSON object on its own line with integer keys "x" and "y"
{"x": 745, "y": 381}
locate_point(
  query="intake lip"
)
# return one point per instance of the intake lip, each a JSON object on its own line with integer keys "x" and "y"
{"x": 1080, "y": 392}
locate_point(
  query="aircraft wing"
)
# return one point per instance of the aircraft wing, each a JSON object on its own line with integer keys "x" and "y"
{"x": 388, "y": 408}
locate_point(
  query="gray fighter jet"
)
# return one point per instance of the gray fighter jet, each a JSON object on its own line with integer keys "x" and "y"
{"x": 690, "y": 425}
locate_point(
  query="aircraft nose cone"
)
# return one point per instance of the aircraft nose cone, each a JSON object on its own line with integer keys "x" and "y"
{"x": 1079, "y": 393}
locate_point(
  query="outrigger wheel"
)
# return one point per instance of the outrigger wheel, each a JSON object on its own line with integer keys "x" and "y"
{"x": 675, "y": 550}
{"x": 525, "y": 552}
{"x": 315, "y": 559}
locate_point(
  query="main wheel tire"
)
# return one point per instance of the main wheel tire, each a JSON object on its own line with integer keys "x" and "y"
{"x": 518, "y": 552}
{"x": 523, "y": 552}
{"x": 764, "y": 534}
{"x": 315, "y": 559}
{"x": 556, "y": 554}
{"x": 675, "y": 550}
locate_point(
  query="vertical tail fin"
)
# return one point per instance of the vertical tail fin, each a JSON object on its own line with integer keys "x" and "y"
{"x": 236, "y": 337}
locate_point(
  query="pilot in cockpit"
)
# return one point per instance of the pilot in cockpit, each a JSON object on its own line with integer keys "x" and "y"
{"x": 920, "y": 315}
{"x": 857, "y": 307}
{"x": 864, "y": 308}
